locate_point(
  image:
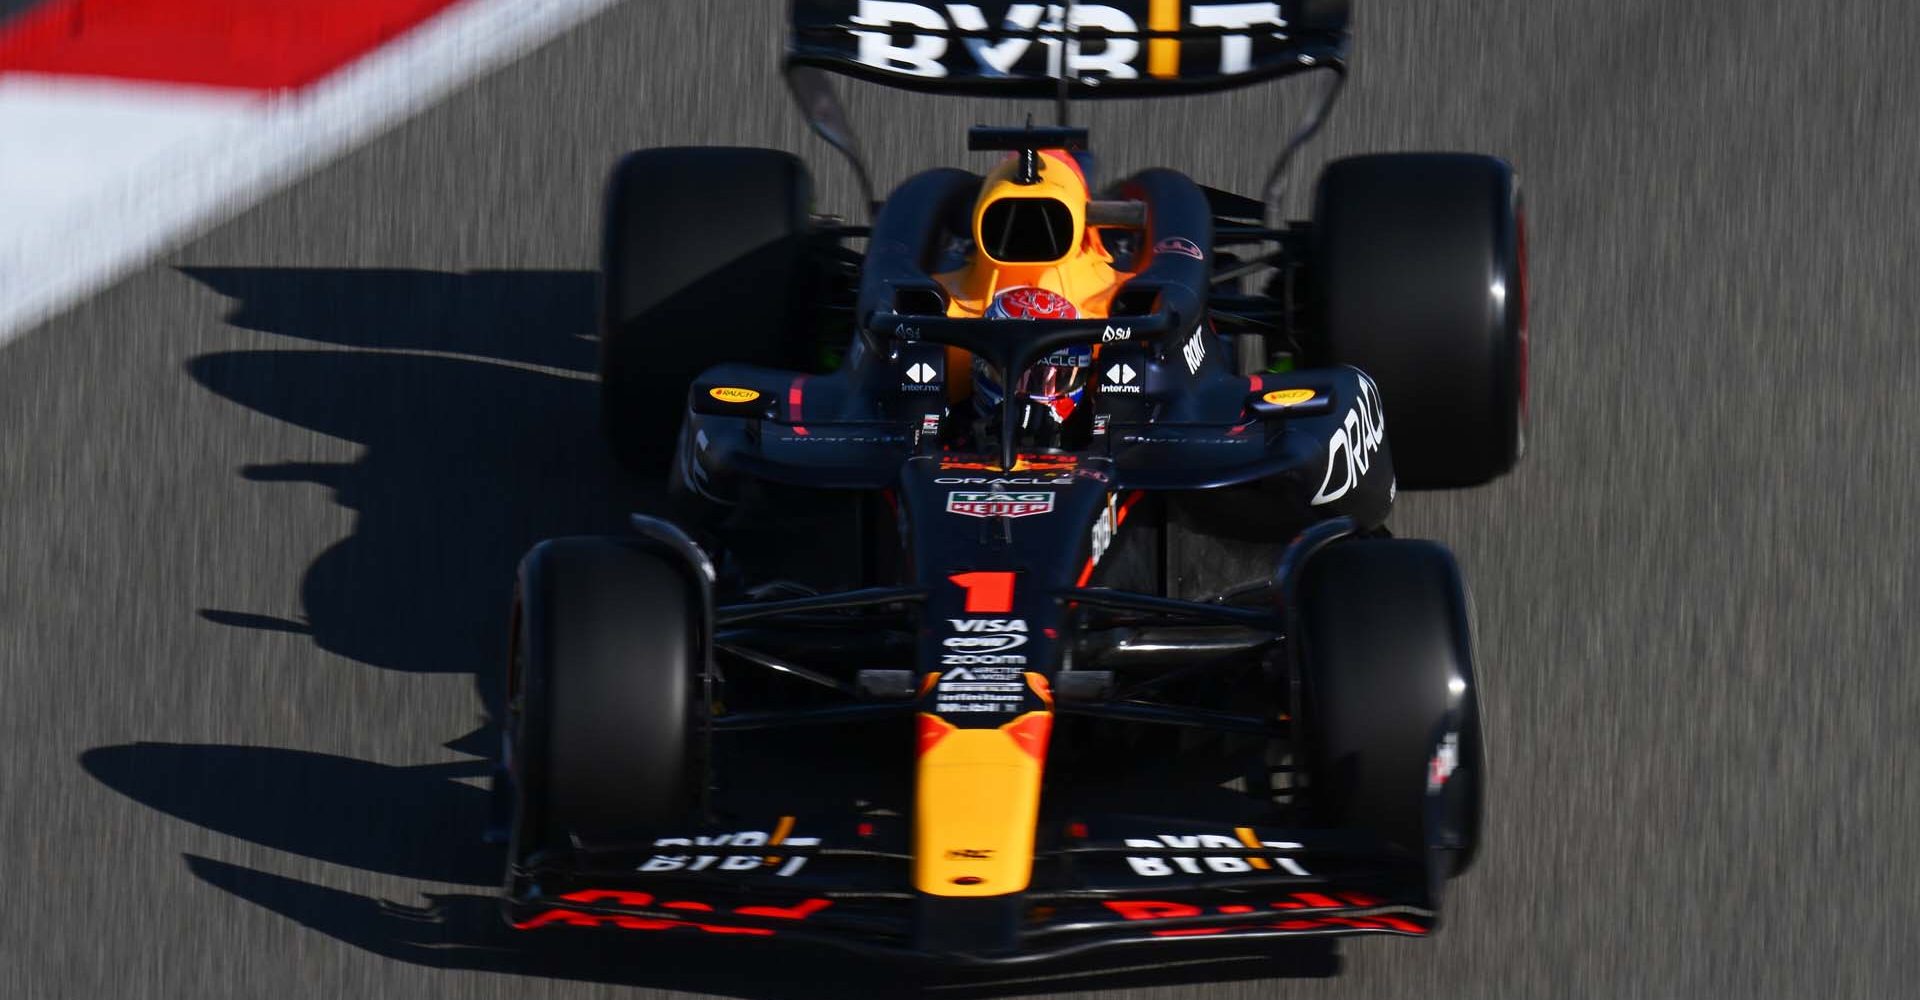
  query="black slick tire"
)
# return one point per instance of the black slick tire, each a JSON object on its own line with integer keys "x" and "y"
{"x": 1384, "y": 653}
{"x": 610, "y": 644}
{"x": 703, "y": 261}
{"x": 1419, "y": 261}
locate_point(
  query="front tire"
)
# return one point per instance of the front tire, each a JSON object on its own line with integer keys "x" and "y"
{"x": 610, "y": 646}
{"x": 703, "y": 261}
{"x": 1389, "y": 697}
{"x": 1420, "y": 263}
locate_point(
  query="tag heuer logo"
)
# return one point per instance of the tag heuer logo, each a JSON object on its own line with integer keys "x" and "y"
{"x": 999, "y": 504}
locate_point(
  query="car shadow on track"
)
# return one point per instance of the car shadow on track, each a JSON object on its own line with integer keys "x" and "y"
{"x": 415, "y": 822}
{"x": 472, "y": 400}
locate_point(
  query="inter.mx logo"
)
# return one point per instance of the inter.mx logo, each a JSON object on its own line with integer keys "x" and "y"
{"x": 971, "y": 504}
{"x": 1121, "y": 377}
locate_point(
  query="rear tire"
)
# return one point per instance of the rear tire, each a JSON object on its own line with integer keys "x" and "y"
{"x": 1420, "y": 261}
{"x": 703, "y": 261}
{"x": 610, "y": 644}
{"x": 1382, "y": 641}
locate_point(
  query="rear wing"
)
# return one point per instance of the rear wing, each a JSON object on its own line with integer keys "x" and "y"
{"x": 1116, "y": 48}
{"x": 1060, "y": 51}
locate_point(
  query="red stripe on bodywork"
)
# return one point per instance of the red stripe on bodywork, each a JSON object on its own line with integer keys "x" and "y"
{"x": 1066, "y": 159}
{"x": 795, "y": 394}
{"x": 1030, "y": 731}
{"x": 575, "y": 918}
{"x": 1152, "y": 909}
{"x": 264, "y": 45}
{"x": 798, "y": 911}
{"x": 933, "y": 729}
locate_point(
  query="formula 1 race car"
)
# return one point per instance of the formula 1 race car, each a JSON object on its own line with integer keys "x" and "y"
{"x": 905, "y": 672}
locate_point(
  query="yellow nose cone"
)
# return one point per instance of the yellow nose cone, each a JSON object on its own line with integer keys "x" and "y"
{"x": 977, "y": 803}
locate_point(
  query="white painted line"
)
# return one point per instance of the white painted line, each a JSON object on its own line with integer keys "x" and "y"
{"x": 98, "y": 178}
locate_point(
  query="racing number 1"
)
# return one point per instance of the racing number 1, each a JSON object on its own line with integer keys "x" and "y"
{"x": 987, "y": 593}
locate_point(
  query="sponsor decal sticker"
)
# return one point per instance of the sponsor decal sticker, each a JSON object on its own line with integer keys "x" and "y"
{"x": 984, "y": 667}
{"x": 999, "y": 504}
{"x": 1102, "y": 535}
{"x": 1180, "y": 245}
{"x": 1195, "y": 350}
{"x": 799, "y": 438}
{"x": 1113, "y": 333}
{"x": 1154, "y": 866}
{"x": 1021, "y": 463}
{"x": 645, "y": 900}
{"x": 888, "y": 38}
{"x": 742, "y": 857}
{"x": 981, "y": 682}
{"x": 921, "y": 377}
{"x": 982, "y": 676}
{"x": 1351, "y": 448}
{"x": 1005, "y": 481}
{"x": 731, "y": 394}
{"x": 987, "y": 635}
{"x": 1121, "y": 378}
{"x": 1373, "y": 920}
{"x": 1446, "y": 759}
{"x": 1193, "y": 440}
{"x": 1289, "y": 397}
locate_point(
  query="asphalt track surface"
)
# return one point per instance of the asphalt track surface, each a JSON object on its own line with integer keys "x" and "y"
{"x": 263, "y": 500}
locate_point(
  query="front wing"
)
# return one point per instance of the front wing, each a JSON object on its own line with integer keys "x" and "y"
{"x": 1143, "y": 882}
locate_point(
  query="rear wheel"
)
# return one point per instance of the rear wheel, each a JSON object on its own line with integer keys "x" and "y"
{"x": 703, "y": 261}
{"x": 609, "y": 645}
{"x": 1389, "y": 697}
{"x": 1420, "y": 264}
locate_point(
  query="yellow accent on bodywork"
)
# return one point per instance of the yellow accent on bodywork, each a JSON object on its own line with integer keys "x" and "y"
{"x": 1085, "y": 276}
{"x": 779, "y": 834}
{"x": 1163, "y": 54}
{"x": 1245, "y": 833}
{"x": 977, "y": 802}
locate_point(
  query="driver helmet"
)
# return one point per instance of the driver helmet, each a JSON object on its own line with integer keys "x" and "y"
{"x": 1056, "y": 382}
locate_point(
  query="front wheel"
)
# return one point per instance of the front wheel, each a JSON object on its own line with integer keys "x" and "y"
{"x": 1389, "y": 697}
{"x": 1419, "y": 265}
{"x": 609, "y": 648}
{"x": 703, "y": 261}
